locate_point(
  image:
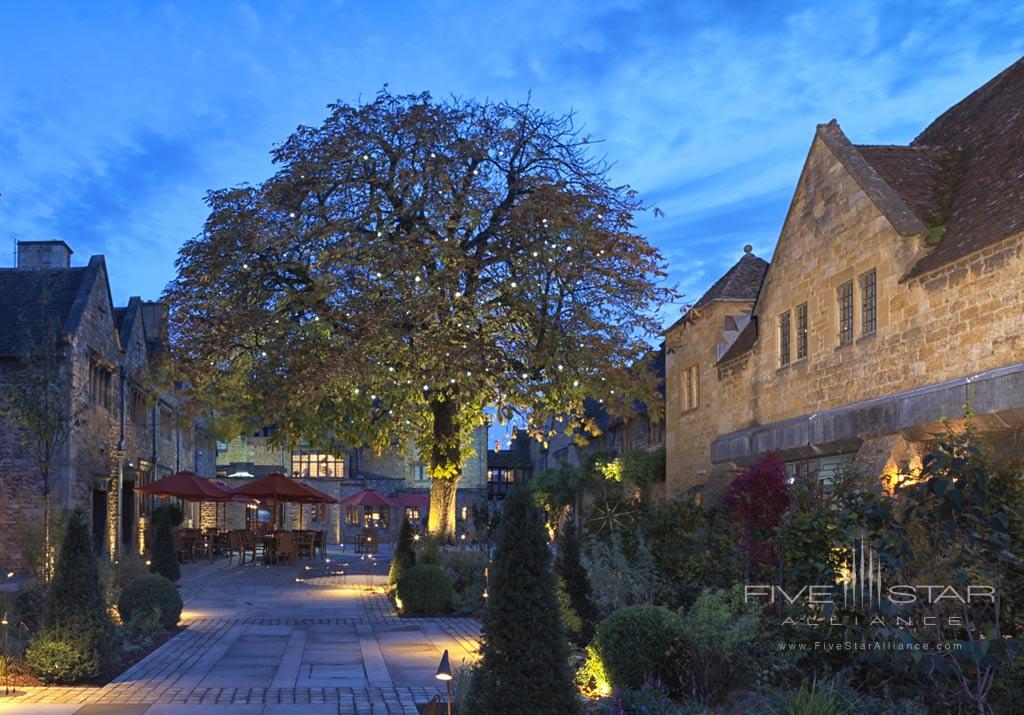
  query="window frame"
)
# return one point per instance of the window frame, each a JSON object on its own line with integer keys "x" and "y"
{"x": 801, "y": 331}
{"x": 101, "y": 379}
{"x": 308, "y": 459}
{"x": 844, "y": 296}
{"x": 868, "y": 302}
{"x": 785, "y": 339}
{"x": 691, "y": 388}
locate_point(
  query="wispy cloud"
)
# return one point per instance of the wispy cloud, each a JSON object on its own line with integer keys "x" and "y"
{"x": 115, "y": 120}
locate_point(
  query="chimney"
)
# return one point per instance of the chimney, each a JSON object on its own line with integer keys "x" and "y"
{"x": 154, "y": 317}
{"x": 40, "y": 255}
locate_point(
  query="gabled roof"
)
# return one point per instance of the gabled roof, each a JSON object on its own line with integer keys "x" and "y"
{"x": 741, "y": 282}
{"x": 910, "y": 171}
{"x": 964, "y": 173}
{"x": 129, "y": 320}
{"x": 35, "y": 305}
{"x": 743, "y": 342}
{"x": 51, "y": 300}
{"x": 988, "y": 127}
{"x": 880, "y": 191}
{"x": 515, "y": 457}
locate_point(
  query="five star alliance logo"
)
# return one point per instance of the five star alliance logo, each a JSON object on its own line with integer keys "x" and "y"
{"x": 864, "y": 586}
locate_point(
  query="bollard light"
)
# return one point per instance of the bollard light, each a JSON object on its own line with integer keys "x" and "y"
{"x": 444, "y": 672}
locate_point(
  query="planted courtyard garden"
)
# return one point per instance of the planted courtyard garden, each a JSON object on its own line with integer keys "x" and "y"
{"x": 665, "y": 606}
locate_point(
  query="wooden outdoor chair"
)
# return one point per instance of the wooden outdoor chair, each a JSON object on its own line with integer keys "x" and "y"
{"x": 285, "y": 548}
{"x": 184, "y": 547}
{"x": 252, "y": 544}
{"x": 305, "y": 544}
{"x": 320, "y": 543}
{"x": 235, "y": 545}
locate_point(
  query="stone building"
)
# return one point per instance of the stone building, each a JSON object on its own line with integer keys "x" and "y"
{"x": 616, "y": 434}
{"x": 340, "y": 473}
{"x": 126, "y": 433}
{"x": 893, "y": 300}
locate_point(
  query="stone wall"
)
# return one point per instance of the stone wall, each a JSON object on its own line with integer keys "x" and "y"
{"x": 688, "y": 433}
{"x": 962, "y": 319}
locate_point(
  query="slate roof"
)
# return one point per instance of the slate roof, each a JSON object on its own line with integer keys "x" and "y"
{"x": 743, "y": 342}
{"x": 741, "y": 282}
{"x": 871, "y": 181}
{"x": 35, "y": 302}
{"x": 910, "y": 171}
{"x": 515, "y": 457}
{"x": 988, "y": 126}
{"x": 129, "y": 318}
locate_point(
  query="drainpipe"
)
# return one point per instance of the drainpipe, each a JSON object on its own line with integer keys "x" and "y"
{"x": 120, "y": 471}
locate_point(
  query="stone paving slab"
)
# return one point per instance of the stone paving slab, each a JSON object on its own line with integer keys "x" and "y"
{"x": 276, "y": 641}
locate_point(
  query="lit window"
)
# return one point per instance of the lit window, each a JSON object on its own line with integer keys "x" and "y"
{"x": 801, "y": 331}
{"x": 316, "y": 464}
{"x": 412, "y": 513}
{"x": 375, "y": 517}
{"x": 784, "y": 339}
{"x": 846, "y": 313}
{"x": 352, "y": 515}
{"x": 868, "y": 303}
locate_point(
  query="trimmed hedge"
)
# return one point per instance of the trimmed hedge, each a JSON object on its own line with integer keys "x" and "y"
{"x": 635, "y": 642}
{"x": 148, "y": 594}
{"x": 425, "y": 588}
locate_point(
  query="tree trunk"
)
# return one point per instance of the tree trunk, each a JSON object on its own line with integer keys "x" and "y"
{"x": 445, "y": 468}
{"x": 47, "y": 556}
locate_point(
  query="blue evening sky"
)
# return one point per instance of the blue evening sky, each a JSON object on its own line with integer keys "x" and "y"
{"x": 117, "y": 117}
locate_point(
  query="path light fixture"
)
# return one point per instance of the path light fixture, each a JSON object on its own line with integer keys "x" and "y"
{"x": 6, "y": 624}
{"x": 444, "y": 672}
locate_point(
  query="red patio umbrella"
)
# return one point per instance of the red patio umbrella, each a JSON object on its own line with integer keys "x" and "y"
{"x": 368, "y": 497}
{"x": 277, "y": 488}
{"x": 189, "y": 487}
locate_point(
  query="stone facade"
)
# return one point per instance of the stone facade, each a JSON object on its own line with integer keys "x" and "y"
{"x": 690, "y": 425}
{"x": 933, "y": 325}
{"x": 113, "y": 448}
{"x": 392, "y": 472}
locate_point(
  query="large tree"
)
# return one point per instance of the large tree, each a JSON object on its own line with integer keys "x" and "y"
{"x": 412, "y": 262}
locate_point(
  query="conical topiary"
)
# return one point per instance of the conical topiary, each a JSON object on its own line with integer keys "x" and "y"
{"x": 524, "y": 664}
{"x": 76, "y": 608}
{"x": 576, "y": 583}
{"x": 165, "y": 557}
{"x": 405, "y": 555}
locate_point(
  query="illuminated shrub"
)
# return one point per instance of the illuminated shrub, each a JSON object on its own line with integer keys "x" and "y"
{"x": 635, "y": 643}
{"x": 62, "y": 661}
{"x": 424, "y": 588}
{"x": 148, "y": 594}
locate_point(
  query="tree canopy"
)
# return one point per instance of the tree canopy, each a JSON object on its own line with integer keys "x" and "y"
{"x": 412, "y": 262}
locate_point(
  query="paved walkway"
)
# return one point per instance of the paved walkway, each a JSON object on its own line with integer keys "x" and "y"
{"x": 277, "y": 641}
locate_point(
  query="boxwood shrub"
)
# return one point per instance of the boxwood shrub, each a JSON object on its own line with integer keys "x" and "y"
{"x": 424, "y": 588}
{"x": 151, "y": 593}
{"x": 635, "y": 643}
